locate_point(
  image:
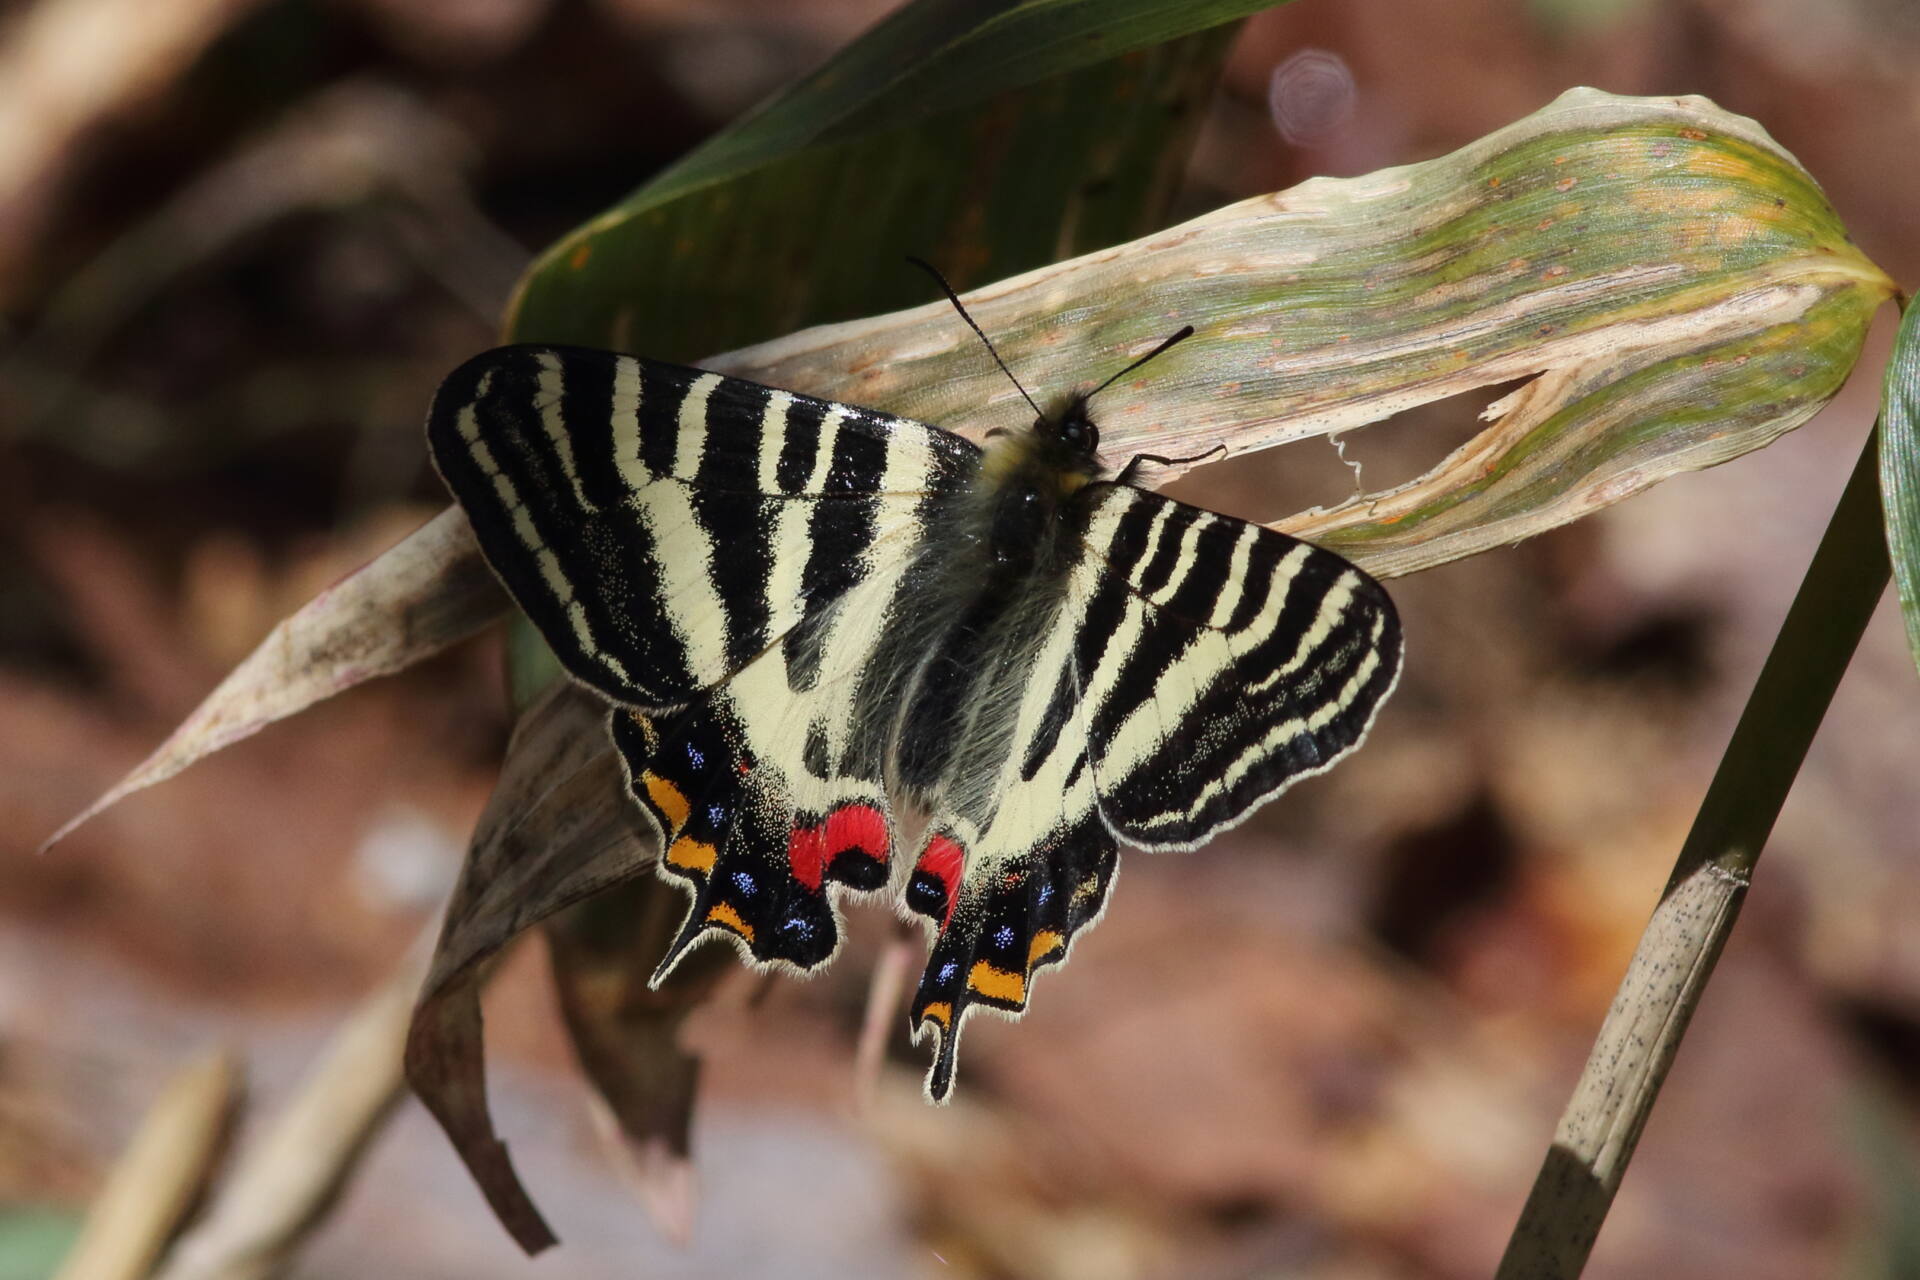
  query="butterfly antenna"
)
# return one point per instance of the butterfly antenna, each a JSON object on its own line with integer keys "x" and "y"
{"x": 1186, "y": 331}
{"x": 954, "y": 298}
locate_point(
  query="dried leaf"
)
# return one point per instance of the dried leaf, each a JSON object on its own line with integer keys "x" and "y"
{"x": 1675, "y": 285}
{"x": 627, "y": 1033}
{"x": 548, "y": 838}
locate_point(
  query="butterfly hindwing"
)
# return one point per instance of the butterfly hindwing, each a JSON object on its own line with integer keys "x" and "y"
{"x": 1015, "y": 860}
{"x": 1007, "y": 916}
{"x": 797, "y": 800}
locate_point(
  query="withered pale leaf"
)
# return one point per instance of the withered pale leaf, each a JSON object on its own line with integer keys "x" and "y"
{"x": 1673, "y": 284}
{"x": 559, "y": 829}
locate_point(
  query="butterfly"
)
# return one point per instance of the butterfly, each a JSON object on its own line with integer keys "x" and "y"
{"x": 848, "y": 652}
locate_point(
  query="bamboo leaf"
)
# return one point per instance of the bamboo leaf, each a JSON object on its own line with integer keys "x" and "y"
{"x": 989, "y": 138}
{"x": 1900, "y": 470}
{"x": 1673, "y": 284}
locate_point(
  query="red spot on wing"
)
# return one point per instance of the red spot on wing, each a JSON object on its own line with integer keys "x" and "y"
{"x": 853, "y": 827}
{"x": 807, "y": 854}
{"x": 944, "y": 858}
{"x": 857, "y": 826}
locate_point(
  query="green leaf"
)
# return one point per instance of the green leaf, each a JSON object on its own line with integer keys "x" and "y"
{"x": 988, "y": 138}
{"x": 1900, "y": 470}
{"x": 33, "y": 1240}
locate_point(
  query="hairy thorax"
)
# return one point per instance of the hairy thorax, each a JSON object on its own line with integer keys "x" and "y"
{"x": 1026, "y": 485}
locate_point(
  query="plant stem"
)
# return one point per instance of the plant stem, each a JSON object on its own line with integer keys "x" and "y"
{"x": 1669, "y": 970}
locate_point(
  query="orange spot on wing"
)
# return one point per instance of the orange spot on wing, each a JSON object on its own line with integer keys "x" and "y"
{"x": 668, "y": 799}
{"x": 996, "y": 983}
{"x": 694, "y": 855}
{"x": 648, "y": 731}
{"x": 1044, "y": 944}
{"x": 941, "y": 1013}
{"x": 729, "y": 919}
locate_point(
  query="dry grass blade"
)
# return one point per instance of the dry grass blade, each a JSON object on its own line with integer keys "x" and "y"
{"x": 160, "y": 1176}
{"x": 428, "y": 592}
{"x": 282, "y": 1185}
{"x": 65, "y": 68}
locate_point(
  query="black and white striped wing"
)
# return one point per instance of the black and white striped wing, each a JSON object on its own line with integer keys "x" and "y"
{"x": 1196, "y": 667}
{"x": 715, "y": 557}
{"x": 1218, "y": 662}
{"x": 760, "y": 581}
{"x": 662, "y": 525}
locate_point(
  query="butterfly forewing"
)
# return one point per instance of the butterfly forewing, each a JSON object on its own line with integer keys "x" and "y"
{"x": 663, "y": 525}
{"x": 1218, "y": 663}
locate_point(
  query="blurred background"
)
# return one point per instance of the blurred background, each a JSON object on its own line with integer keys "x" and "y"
{"x": 241, "y": 241}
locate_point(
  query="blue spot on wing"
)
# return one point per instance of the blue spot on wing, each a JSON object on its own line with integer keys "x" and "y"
{"x": 947, "y": 972}
{"x": 744, "y": 882}
{"x": 696, "y": 756}
{"x": 1003, "y": 936}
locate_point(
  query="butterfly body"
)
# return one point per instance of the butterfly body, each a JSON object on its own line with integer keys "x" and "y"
{"x": 848, "y": 652}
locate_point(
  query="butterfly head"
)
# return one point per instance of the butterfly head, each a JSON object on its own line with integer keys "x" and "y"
{"x": 1055, "y": 456}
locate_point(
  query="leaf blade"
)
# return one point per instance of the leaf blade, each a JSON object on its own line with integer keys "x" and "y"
{"x": 1900, "y": 470}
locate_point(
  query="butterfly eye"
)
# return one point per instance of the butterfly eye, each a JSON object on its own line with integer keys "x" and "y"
{"x": 1077, "y": 431}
